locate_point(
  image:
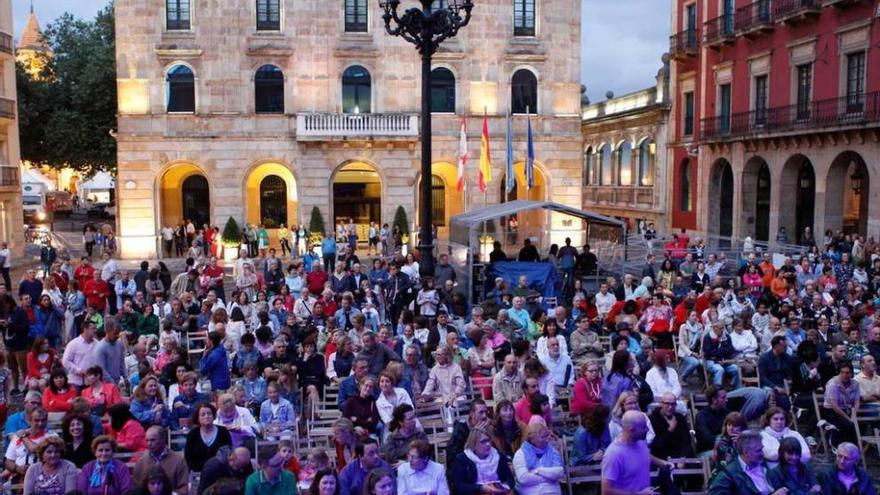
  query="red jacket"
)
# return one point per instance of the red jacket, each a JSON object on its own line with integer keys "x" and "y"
{"x": 96, "y": 292}
{"x": 315, "y": 281}
{"x": 131, "y": 437}
{"x": 59, "y": 402}
{"x": 83, "y": 274}
{"x": 585, "y": 397}
{"x": 35, "y": 367}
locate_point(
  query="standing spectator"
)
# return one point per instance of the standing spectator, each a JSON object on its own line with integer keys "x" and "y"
{"x": 110, "y": 353}
{"x": 328, "y": 251}
{"x": 30, "y": 285}
{"x": 79, "y": 354}
{"x": 97, "y": 291}
{"x": 105, "y": 475}
{"x": 5, "y": 263}
{"x": 215, "y": 363}
{"x": 626, "y": 465}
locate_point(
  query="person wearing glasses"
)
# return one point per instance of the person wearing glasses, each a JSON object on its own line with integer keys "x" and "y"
{"x": 672, "y": 430}
{"x": 421, "y": 475}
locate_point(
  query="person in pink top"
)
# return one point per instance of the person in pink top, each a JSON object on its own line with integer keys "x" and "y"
{"x": 588, "y": 389}
{"x": 523, "y": 406}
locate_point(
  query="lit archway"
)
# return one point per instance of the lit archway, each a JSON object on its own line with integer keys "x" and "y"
{"x": 532, "y": 223}
{"x": 271, "y": 196}
{"x": 184, "y": 193}
{"x": 755, "y": 199}
{"x": 847, "y": 190}
{"x": 357, "y": 194}
{"x": 798, "y": 182}
{"x": 445, "y": 196}
{"x": 721, "y": 199}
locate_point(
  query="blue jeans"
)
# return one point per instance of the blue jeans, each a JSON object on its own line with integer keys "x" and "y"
{"x": 688, "y": 365}
{"x": 718, "y": 372}
{"x": 755, "y": 401}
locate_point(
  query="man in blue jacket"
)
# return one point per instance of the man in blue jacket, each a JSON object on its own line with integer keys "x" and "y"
{"x": 215, "y": 364}
{"x": 846, "y": 467}
{"x": 328, "y": 250}
{"x": 747, "y": 475}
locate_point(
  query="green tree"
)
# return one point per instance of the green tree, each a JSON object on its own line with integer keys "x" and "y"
{"x": 400, "y": 220}
{"x": 231, "y": 233}
{"x": 68, "y": 112}
{"x": 316, "y": 222}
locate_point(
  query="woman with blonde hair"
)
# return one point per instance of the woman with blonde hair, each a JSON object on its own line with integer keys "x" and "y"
{"x": 480, "y": 469}
{"x": 628, "y": 401}
{"x": 148, "y": 403}
{"x": 537, "y": 464}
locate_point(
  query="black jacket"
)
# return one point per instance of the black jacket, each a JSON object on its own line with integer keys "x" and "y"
{"x": 463, "y": 475}
{"x": 675, "y": 443}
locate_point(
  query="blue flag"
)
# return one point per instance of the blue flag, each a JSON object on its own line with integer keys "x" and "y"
{"x": 509, "y": 176}
{"x": 530, "y": 156}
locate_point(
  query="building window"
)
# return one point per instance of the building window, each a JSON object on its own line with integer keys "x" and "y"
{"x": 804, "y": 90}
{"x": 589, "y": 177}
{"x": 685, "y": 181}
{"x": 268, "y": 15}
{"x": 606, "y": 174}
{"x": 855, "y": 82}
{"x": 647, "y": 152}
{"x": 689, "y": 114}
{"x": 269, "y": 89}
{"x": 523, "y": 17}
{"x": 181, "y": 89}
{"x": 442, "y": 90}
{"x": 438, "y": 200}
{"x": 273, "y": 201}
{"x": 177, "y": 15}
{"x": 624, "y": 164}
{"x": 760, "y": 100}
{"x": 356, "y": 88}
{"x": 355, "y": 16}
{"x": 524, "y": 92}
{"x": 437, "y": 5}
{"x": 727, "y": 9}
{"x": 724, "y": 114}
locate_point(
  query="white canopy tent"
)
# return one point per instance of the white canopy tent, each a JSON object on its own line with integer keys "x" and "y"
{"x": 97, "y": 188}
{"x": 472, "y": 234}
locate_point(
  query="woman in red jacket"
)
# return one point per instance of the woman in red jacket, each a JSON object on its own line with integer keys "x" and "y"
{"x": 100, "y": 394}
{"x": 59, "y": 393}
{"x": 40, "y": 360}
{"x": 588, "y": 389}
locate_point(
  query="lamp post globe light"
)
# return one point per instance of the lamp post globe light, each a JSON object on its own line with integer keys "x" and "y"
{"x": 426, "y": 28}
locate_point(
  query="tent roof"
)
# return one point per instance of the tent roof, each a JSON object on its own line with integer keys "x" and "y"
{"x": 477, "y": 217}
{"x": 101, "y": 180}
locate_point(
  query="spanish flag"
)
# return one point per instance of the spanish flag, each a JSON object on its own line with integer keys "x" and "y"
{"x": 485, "y": 163}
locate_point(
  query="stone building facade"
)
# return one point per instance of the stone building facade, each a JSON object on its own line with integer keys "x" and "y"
{"x": 776, "y": 117}
{"x": 625, "y": 156}
{"x": 260, "y": 113}
{"x": 11, "y": 215}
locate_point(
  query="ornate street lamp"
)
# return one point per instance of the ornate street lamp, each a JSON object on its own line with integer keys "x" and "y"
{"x": 426, "y": 28}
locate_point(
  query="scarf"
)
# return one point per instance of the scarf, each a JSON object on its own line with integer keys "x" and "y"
{"x": 101, "y": 474}
{"x": 548, "y": 457}
{"x": 487, "y": 469}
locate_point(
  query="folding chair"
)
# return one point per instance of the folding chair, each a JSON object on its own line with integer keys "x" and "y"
{"x": 869, "y": 420}
{"x": 196, "y": 344}
{"x": 691, "y": 467}
{"x": 819, "y": 399}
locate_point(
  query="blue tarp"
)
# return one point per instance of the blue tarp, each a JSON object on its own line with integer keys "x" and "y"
{"x": 541, "y": 276}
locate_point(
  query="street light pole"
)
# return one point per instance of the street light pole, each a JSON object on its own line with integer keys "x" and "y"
{"x": 426, "y": 28}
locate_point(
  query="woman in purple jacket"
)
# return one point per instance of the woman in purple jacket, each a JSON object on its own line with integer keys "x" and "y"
{"x": 105, "y": 475}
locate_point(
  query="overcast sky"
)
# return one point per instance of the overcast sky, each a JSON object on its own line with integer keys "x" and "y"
{"x": 622, "y": 39}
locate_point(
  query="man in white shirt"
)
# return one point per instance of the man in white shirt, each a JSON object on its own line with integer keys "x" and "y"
{"x": 744, "y": 342}
{"x": 6, "y": 264}
{"x": 108, "y": 274}
{"x": 605, "y": 300}
{"x": 445, "y": 381}
{"x": 79, "y": 354}
{"x": 420, "y": 474}
{"x": 869, "y": 382}
{"x": 167, "y": 234}
{"x": 558, "y": 365}
{"x": 302, "y": 308}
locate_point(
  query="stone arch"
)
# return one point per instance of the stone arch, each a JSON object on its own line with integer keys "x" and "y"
{"x": 755, "y": 199}
{"x": 847, "y": 192}
{"x": 721, "y": 199}
{"x": 358, "y": 191}
{"x": 170, "y": 193}
{"x": 797, "y": 198}
{"x": 254, "y": 177}
{"x": 454, "y": 200}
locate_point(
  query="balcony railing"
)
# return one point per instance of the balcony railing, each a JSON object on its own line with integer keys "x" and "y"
{"x": 6, "y": 44}
{"x": 352, "y": 126}
{"x": 8, "y": 176}
{"x": 620, "y": 196}
{"x": 844, "y": 3}
{"x": 855, "y": 110}
{"x": 720, "y": 30}
{"x": 795, "y": 10}
{"x": 7, "y": 108}
{"x": 684, "y": 44}
{"x": 755, "y": 17}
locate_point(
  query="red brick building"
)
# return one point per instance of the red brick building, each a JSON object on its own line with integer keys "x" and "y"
{"x": 776, "y": 117}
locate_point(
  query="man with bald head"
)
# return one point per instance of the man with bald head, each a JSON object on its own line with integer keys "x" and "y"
{"x": 626, "y": 466}
{"x": 158, "y": 454}
{"x": 228, "y": 463}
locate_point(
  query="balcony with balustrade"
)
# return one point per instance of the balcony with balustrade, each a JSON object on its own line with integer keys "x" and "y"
{"x": 684, "y": 44}
{"x": 854, "y": 111}
{"x": 719, "y": 31}
{"x": 842, "y": 4}
{"x": 356, "y": 126}
{"x": 754, "y": 19}
{"x": 796, "y": 11}
{"x": 622, "y": 198}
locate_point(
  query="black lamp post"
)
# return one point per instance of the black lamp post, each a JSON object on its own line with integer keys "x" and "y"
{"x": 426, "y": 28}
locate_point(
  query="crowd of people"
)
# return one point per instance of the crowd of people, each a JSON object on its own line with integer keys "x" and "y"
{"x": 137, "y": 381}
